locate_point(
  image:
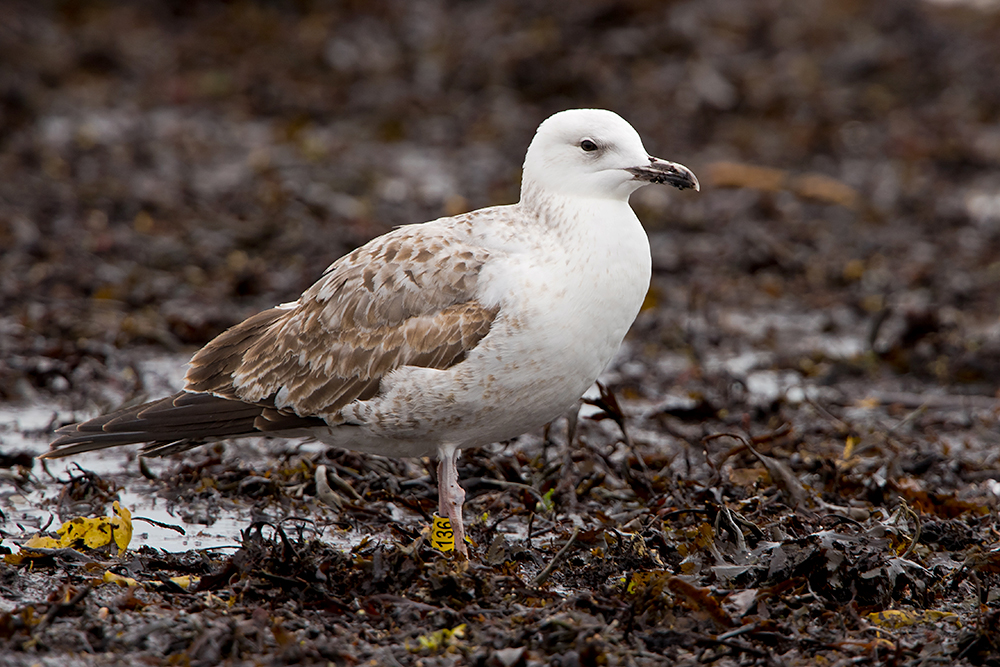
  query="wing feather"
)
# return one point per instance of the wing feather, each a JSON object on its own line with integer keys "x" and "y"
{"x": 173, "y": 424}
{"x": 406, "y": 298}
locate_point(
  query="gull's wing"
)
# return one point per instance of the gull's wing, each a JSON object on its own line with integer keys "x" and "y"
{"x": 407, "y": 298}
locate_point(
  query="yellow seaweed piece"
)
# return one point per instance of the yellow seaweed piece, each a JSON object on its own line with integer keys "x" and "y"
{"x": 80, "y": 532}
{"x": 439, "y": 640}
{"x": 92, "y": 533}
{"x": 896, "y": 618}
{"x": 121, "y": 525}
{"x": 112, "y": 578}
{"x": 186, "y": 581}
{"x": 893, "y": 618}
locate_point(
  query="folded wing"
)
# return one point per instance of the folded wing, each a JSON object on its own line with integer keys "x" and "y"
{"x": 405, "y": 299}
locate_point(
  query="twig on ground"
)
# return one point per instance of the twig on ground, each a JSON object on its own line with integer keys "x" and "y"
{"x": 502, "y": 483}
{"x": 160, "y": 524}
{"x": 837, "y": 421}
{"x": 59, "y": 607}
{"x": 916, "y": 533}
{"x": 544, "y": 574}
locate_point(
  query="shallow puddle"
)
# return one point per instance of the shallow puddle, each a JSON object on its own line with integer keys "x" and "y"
{"x": 28, "y": 504}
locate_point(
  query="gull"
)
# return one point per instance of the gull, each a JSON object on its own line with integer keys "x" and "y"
{"x": 454, "y": 333}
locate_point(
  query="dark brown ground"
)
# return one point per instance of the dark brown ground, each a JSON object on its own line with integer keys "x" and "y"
{"x": 829, "y": 299}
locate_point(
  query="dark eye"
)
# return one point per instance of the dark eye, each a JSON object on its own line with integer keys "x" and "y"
{"x": 588, "y": 145}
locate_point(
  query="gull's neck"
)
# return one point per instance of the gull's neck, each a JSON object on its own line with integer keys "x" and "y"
{"x": 533, "y": 198}
{"x": 551, "y": 206}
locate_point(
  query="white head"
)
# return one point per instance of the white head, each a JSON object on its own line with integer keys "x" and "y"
{"x": 594, "y": 153}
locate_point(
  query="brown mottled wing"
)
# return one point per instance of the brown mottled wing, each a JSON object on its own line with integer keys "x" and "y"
{"x": 406, "y": 298}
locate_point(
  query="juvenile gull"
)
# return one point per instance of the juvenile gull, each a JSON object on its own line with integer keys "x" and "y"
{"x": 453, "y": 333}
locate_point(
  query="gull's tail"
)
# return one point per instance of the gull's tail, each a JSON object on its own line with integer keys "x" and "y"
{"x": 174, "y": 424}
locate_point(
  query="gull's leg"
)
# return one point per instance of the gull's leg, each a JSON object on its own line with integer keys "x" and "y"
{"x": 451, "y": 496}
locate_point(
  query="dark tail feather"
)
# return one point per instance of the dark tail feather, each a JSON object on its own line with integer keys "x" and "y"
{"x": 171, "y": 425}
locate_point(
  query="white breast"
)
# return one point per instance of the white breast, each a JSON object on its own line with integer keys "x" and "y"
{"x": 568, "y": 290}
{"x": 570, "y": 303}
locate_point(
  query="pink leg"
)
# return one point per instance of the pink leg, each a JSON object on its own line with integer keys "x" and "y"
{"x": 451, "y": 496}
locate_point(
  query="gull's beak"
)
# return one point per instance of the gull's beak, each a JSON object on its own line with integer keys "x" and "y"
{"x": 661, "y": 171}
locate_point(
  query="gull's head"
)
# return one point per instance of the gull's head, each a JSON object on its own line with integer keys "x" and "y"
{"x": 594, "y": 153}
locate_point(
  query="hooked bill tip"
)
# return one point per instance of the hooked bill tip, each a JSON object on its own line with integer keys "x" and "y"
{"x": 671, "y": 173}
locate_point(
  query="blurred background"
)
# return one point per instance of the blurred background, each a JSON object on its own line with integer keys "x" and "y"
{"x": 169, "y": 168}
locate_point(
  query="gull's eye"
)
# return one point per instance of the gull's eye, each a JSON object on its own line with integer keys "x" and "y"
{"x": 588, "y": 145}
